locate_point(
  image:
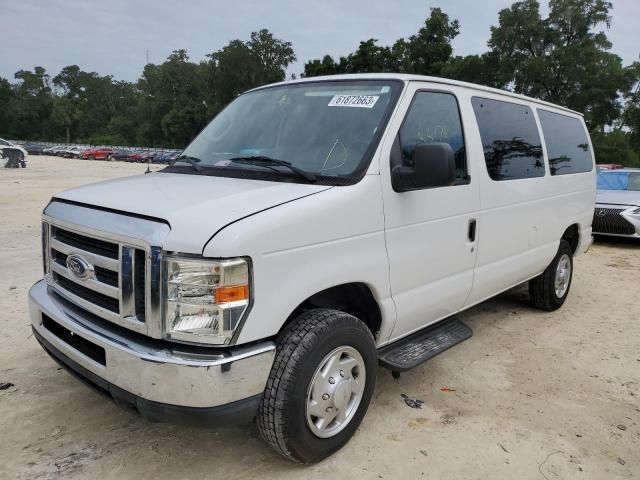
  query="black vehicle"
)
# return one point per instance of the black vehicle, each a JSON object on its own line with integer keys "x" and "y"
{"x": 33, "y": 148}
{"x": 119, "y": 154}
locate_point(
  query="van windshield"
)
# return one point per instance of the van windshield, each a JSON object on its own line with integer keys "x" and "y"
{"x": 328, "y": 130}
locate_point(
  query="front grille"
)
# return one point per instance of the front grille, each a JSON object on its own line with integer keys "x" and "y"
{"x": 611, "y": 221}
{"x": 92, "y": 296}
{"x": 88, "y": 244}
{"x": 111, "y": 282}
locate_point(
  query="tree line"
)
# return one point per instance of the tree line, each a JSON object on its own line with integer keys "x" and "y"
{"x": 565, "y": 58}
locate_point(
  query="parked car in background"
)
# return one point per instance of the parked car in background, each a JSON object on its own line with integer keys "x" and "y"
{"x": 119, "y": 154}
{"x": 33, "y": 148}
{"x": 58, "y": 151}
{"x": 71, "y": 152}
{"x": 7, "y": 145}
{"x": 136, "y": 156}
{"x": 617, "y": 209}
{"x": 164, "y": 156}
{"x": 148, "y": 156}
{"x": 174, "y": 156}
{"x": 50, "y": 150}
{"x": 609, "y": 166}
{"x": 98, "y": 153}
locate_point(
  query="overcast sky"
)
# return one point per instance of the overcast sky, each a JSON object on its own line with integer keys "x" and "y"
{"x": 113, "y": 36}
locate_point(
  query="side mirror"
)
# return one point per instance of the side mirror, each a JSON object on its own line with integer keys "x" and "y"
{"x": 433, "y": 166}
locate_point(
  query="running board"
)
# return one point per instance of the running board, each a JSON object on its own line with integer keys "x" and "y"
{"x": 423, "y": 345}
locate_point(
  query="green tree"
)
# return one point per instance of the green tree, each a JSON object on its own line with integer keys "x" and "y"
{"x": 563, "y": 58}
{"x": 30, "y": 105}
{"x": 6, "y": 94}
{"x": 482, "y": 69}
{"x": 271, "y": 56}
{"x": 425, "y": 53}
{"x": 615, "y": 147}
{"x": 631, "y": 116}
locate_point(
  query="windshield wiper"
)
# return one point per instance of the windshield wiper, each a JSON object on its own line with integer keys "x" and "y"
{"x": 193, "y": 161}
{"x": 261, "y": 160}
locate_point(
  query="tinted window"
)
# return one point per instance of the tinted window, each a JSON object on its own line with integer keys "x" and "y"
{"x": 510, "y": 139}
{"x": 567, "y": 143}
{"x": 434, "y": 118}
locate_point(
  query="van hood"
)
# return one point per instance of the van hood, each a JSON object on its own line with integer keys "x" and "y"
{"x": 196, "y": 207}
{"x": 619, "y": 197}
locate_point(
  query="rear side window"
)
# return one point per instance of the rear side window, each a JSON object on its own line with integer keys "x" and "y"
{"x": 510, "y": 139}
{"x": 434, "y": 118}
{"x": 567, "y": 143}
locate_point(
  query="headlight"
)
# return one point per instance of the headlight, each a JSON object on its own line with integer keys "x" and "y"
{"x": 206, "y": 299}
{"x": 636, "y": 212}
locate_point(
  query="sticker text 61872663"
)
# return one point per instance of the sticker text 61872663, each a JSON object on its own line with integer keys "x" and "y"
{"x": 358, "y": 101}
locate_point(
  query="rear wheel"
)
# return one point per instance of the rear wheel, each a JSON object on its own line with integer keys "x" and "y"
{"x": 320, "y": 385}
{"x": 550, "y": 289}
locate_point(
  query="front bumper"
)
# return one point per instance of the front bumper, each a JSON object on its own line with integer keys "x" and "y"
{"x": 624, "y": 214}
{"x": 162, "y": 381}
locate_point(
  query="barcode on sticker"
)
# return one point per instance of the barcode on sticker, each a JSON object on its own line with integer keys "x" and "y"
{"x": 359, "y": 101}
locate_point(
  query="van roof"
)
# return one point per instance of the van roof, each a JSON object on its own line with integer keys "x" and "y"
{"x": 423, "y": 78}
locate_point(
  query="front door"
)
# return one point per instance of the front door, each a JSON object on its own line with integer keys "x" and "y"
{"x": 430, "y": 233}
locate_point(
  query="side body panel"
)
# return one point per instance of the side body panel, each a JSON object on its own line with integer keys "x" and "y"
{"x": 522, "y": 221}
{"x": 303, "y": 247}
{"x": 427, "y": 231}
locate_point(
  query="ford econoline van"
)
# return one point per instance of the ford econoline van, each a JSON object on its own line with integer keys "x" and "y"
{"x": 313, "y": 231}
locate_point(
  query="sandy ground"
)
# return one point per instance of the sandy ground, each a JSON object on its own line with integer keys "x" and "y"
{"x": 531, "y": 396}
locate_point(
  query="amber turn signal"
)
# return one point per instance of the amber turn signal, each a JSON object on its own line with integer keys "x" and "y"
{"x": 231, "y": 294}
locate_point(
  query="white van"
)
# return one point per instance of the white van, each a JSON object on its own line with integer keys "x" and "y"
{"x": 313, "y": 230}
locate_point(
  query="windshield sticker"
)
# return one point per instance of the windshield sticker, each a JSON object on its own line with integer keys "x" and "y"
{"x": 358, "y": 101}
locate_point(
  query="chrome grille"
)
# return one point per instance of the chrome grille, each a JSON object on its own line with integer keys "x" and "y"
{"x": 610, "y": 221}
{"x": 115, "y": 285}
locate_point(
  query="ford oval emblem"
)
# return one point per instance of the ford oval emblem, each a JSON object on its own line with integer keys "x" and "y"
{"x": 79, "y": 267}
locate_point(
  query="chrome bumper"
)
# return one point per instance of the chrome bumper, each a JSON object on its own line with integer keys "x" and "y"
{"x": 152, "y": 370}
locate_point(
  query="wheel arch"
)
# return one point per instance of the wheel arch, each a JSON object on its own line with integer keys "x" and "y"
{"x": 572, "y": 235}
{"x": 355, "y": 298}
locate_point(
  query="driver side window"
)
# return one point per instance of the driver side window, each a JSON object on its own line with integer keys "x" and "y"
{"x": 434, "y": 117}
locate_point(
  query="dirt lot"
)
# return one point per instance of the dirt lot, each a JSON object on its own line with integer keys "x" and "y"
{"x": 531, "y": 396}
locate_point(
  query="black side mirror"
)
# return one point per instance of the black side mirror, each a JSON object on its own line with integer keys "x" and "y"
{"x": 433, "y": 166}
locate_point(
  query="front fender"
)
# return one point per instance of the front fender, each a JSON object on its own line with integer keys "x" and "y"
{"x": 306, "y": 246}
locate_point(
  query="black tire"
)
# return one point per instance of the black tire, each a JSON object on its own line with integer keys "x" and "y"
{"x": 542, "y": 290}
{"x": 301, "y": 347}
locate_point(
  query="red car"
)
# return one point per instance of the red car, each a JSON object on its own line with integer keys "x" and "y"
{"x": 609, "y": 166}
{"x": 137, "y": 156}
{"x": 98, "y": 153}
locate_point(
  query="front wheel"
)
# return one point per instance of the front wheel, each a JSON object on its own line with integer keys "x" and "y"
{"x": 320, "y": 385}
{"x": 550, "y": 289}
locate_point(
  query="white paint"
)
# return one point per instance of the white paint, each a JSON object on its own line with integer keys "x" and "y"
{"x": 411, "y": 249}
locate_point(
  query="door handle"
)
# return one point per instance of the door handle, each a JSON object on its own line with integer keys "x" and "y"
{"x": 472, "y": 230}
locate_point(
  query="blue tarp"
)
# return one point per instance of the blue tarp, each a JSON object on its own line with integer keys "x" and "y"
{"x": 613, "y": 180}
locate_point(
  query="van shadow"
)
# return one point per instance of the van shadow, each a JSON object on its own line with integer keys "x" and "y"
{"x": 617, "y": 242}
